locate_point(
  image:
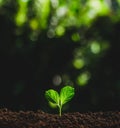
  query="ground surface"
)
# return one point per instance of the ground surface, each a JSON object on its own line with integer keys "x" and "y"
{"x": 39, "y": 119}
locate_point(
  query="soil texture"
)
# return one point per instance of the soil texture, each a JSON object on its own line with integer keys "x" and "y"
{"x": 40, "y": 119}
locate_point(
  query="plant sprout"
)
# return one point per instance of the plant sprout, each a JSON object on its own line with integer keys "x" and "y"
{"x": 66, "y": 94}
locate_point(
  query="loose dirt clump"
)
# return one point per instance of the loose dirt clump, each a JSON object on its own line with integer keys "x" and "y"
{"x": 40, "y": 119}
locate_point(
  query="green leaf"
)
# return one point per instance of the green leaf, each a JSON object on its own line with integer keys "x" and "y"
{"x": 52, "y": 96}
{"x": 66, "y": 94}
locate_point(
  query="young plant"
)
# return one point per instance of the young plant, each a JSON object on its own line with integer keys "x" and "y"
{"x": 66, "y": 94}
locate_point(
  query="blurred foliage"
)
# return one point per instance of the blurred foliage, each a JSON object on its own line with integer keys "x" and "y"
{"x": 57, "y": 42}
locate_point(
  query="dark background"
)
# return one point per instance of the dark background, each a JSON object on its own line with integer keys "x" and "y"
{"x": 32, "y": 61}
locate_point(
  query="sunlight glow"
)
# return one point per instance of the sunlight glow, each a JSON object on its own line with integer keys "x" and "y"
{"x": 61, "y": 11}
{"x": 24, "y": 0}
{"x": 1, "y": 1}
{"x": 21, "y": 15}
{"x": 118, "y": 1}
{"x": 97, "y": 7}
{"x": 42, "y": 11}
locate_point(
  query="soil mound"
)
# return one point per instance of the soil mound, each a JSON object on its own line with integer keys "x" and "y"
{"x": 40, "y": 119}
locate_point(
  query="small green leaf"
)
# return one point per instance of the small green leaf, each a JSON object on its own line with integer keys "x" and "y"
{"x": 66, "y": 94}
{"x": 52, "y": 96}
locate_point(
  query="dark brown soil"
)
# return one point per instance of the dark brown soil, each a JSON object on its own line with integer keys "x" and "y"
{"x": 39, "y": 119}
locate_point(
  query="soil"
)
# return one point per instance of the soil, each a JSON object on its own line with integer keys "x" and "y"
{"x": 40, "y": 119}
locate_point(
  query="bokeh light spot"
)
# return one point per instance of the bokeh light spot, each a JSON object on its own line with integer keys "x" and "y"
{"x": 34, "y": 24}
{"x": 55, "y": 3}
{"x": 95, "y": 47}
{"x": 60, "y": 30}
{"x": 78, "y": 63}
{"x": 61, "y": 11}
{"x": 75, "y": 37}
{"x": 57, "y": 80}
{"x": 50, "y": 33}
{"x": 83, "y": 78}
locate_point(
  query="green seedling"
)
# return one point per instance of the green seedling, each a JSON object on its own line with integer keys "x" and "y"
{"x": 66, "y": 94}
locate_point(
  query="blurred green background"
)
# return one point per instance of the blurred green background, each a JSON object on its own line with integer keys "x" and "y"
{"x": 51, "y": 43}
